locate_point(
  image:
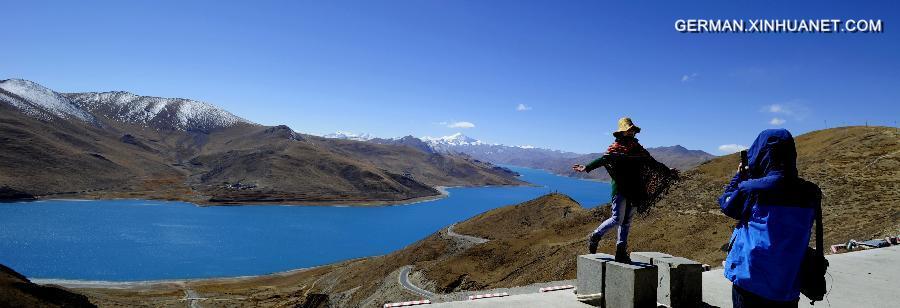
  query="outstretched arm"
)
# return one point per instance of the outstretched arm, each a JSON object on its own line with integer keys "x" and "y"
{"x": 597, "y": 163}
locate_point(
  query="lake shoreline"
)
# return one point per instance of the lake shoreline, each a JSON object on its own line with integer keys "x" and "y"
{"x": 164, "y": 283}
{"x": 441, "y": 189}
{"x": 128, "y": 226}
{"x": 442, "y": 193}
{"x": 199, "y": 201}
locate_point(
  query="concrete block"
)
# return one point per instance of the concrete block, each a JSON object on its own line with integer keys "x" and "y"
{"x": 590, "y": 273}
{"x": 630, "y": 285}
{"x": 680, "y": 280}
{"x": 648, "y": 256}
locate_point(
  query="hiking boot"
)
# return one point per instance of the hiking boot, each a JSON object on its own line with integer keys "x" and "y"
{"x": 592, "y": 244}
{"x": 622, "y": 254}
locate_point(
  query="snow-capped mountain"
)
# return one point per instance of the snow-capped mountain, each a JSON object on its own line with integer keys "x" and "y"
{"x": 461, "y": 143}
{"x": 40, "y": 102}
{"x": 157, "y": 112}
{"x": 349, "y": 136}
{"x": 457, "y": 139}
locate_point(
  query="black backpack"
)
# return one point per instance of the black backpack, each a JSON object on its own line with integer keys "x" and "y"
{"x": 814, "y": 266}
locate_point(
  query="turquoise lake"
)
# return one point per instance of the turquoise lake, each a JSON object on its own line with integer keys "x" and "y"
{"x": 129, "y": 240}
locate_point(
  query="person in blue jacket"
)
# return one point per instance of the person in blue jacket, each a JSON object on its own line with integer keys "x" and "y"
{"x": 775, "y": 209}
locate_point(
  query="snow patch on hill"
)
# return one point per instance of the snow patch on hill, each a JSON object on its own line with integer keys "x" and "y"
{"x": 40, "y": 102}
{"x": 158, "y": 112}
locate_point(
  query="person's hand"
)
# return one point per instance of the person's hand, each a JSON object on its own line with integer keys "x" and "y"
{"x": 578, "y": 168}
{"x": 742, "y": 171}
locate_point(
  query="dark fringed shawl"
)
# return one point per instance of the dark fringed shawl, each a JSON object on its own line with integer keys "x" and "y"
{"x": 641, "y": 179}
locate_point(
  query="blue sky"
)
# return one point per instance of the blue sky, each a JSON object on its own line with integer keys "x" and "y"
{"x": 393, "y": 68}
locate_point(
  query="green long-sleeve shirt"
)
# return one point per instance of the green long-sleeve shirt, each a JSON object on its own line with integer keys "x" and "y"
{"x": 601, "y": 162}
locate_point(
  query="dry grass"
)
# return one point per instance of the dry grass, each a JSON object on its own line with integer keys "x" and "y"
{"x": 858, "y": 169}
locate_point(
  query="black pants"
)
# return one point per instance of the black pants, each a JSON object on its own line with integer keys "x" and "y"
{"x": 741, "y": 298}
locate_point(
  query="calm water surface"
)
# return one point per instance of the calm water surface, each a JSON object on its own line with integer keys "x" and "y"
{"x": 125, "y": 240}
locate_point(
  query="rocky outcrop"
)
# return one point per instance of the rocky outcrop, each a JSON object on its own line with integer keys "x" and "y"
{"x": 18, "y": 291}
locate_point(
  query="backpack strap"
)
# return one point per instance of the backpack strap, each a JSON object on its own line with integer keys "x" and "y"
{"x": 820, "y": 250}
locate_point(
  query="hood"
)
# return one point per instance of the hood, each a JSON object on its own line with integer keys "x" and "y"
{"x": 773, "y": 150}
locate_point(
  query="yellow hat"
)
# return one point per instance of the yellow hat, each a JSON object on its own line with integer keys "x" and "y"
{"x": 625, "y": 124}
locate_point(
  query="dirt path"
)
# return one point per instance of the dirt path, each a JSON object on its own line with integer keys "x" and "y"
{"x": 465, "y": 240}
{"x": 473, "y": 240}
{"x": 404, "y": 282}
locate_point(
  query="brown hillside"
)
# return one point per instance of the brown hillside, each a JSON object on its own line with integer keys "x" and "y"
{"x": 858, "y": 169}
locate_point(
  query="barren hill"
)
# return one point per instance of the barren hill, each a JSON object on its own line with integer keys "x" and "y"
{"x": 858, "y": 169}
{"x": 118, "y": 144}
{"x": 18, "y": 291}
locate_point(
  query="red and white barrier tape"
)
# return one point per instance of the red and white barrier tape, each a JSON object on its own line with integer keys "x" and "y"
{"x": 480, "y": 296}
{"x": 838, "y": 247}
{"x": 405, "y": 304}
{"x": 557, "y": 288}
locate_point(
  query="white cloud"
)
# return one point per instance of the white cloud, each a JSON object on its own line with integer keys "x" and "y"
{"x": 778, "y": 109}
{"x": 461, "y": 124}
{"x": 691, "y": 77}
{"x": 732, "y": 148}
{"x": 523, "y": 107}
{"x": 794, "y": 110}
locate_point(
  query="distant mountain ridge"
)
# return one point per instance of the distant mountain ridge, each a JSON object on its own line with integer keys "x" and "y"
{"x": 348, "y": 136}
{"x": 154, "y": 112}
{"x": 408, "y": 141}
{"x": 556, "y": 161}
{"x": 157, "y": 112}
{"x": 119, "y": 144}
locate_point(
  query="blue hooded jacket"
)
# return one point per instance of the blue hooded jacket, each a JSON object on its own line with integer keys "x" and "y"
{"x": 775, "y": 210}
